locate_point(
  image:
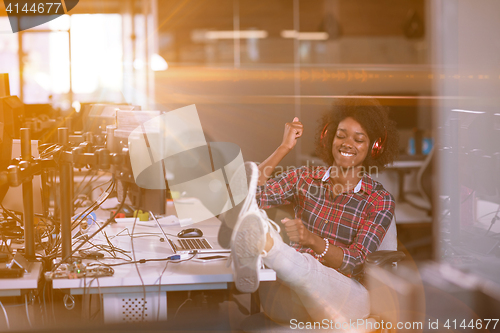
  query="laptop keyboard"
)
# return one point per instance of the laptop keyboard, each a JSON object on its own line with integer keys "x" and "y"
{"x": 194, "y": 244}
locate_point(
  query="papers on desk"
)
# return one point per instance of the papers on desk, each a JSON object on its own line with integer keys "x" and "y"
{"x": 166, "y": 221}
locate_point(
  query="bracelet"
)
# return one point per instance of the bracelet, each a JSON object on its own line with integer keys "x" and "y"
{"x": 325, "y": 251}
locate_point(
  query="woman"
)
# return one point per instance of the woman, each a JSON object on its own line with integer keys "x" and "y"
{"x": 341, "y": 215}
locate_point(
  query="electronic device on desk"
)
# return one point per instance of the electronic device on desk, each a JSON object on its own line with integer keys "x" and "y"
{"x": 190, "y": 233}
{"x": 20, "y": 262}
{"x": 153, "y": 200}
{"x": 11, "y": 273}
{"x": 9, "y": 229}
{"x": 42, "y": 120}
{"x": 78, "y": 269}
{"x": 16, "y": 268}
{"x": 470, "y": 164}
{"x": 97, "y": 117}
{"x": 191, "y": 245}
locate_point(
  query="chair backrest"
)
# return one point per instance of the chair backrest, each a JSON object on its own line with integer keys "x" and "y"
{"x": 390, "y": 241}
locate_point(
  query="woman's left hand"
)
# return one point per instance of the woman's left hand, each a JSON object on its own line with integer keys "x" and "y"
{"x": 297, "y": 232}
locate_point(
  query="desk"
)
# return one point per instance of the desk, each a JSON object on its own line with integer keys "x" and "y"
{"x": 15, "y": 287}
{"x": 123, "y": 293}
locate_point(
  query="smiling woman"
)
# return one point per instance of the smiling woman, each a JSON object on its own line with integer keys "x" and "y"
{"x": 374, "y": 126}
{"x": 341, "y": 215}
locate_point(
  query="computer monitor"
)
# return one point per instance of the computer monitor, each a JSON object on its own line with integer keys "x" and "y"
{"x": 139, "y": 198}
{"x": 98, "y": 116}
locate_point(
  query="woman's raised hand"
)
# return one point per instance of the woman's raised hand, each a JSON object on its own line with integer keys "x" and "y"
{"x": 293, "y": 131}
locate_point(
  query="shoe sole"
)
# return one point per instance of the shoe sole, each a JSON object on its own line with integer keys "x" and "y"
{"x": 247, "y": 246}
{"x": 231, "y": 217}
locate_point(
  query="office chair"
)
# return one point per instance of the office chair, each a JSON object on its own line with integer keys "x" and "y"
{"x": 385, "y": 257}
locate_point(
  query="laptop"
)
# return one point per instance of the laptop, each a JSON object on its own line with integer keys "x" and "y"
{"x": 198, "y": 245}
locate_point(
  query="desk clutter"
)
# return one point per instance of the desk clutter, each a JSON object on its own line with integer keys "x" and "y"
{"x": 127, "y": 261}
{"x": 75, "y": 224}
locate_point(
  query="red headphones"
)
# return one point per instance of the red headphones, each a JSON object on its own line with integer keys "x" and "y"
{"x": 377, "y": 147}
{"x": 322, "y": 137}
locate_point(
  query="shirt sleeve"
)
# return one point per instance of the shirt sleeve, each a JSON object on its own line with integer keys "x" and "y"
{"x": 370, "y": 234}
{"x": 280, "y": 190}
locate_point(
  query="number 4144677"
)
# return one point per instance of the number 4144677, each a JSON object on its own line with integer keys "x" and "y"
{"x": 34, "y": 8}
{"x": 474, "y": 324}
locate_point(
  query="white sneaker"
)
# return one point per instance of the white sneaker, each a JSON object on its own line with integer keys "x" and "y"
{"x": 249, "y": 237}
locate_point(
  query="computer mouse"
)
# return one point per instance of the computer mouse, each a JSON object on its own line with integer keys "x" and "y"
{"x": 190, "y": 232}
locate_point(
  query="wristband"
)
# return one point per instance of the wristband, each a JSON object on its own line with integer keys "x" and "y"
{"x": 325, "y": 251}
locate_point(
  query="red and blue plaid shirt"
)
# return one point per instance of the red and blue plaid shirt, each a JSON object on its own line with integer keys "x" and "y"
{"x": 356, "y": 221}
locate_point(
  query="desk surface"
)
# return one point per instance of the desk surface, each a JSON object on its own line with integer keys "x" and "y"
{"x": 188, "y": 275}
{"x": 13, "y": 287}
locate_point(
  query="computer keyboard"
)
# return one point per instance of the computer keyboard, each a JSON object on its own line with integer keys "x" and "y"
{"x": 194, "y": 244}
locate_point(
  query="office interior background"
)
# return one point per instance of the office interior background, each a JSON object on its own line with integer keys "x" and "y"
{"x": 250, "y": 66}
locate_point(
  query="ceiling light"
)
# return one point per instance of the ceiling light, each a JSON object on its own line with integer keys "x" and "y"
{"x": 304, "y": 35}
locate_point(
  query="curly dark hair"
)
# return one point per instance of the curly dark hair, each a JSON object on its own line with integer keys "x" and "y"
{"x": 374, "y": 119}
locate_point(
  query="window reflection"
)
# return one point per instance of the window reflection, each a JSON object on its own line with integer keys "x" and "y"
{"x": 96, "y": 53}
{"x": 9, "y": 60}
{"x": 46, "y": 66}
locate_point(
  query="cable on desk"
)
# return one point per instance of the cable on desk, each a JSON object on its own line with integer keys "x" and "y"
{"x": 104, "y": 247}
{"x": 44, "y": 301}
{"x": 49, "y": 151}
{"x": 493, "y": 220}
{"x": 93, "y": 207}
{"x": 41, "y": 309}
{"x": 180, "y": 306}
{"x": 11, "y": 214}
{"x": 6, "y": 244}
{"x": 104, "y": 196}
{"x": 100, "y": 301}
{"x": 84, "y": 295}
{"x": 69, "y": 302}
{"x": 159, "y": 292}
{"x": 137, "y": 268}
{"x": 27, "y": 312}
{"x": 52, "y": 303}
{"x": 6, "y": 316}
{"x": 140, "y": 234}
{"x": 77, "y": 190}
{"x": 89, "y": 296}
{"x": 91, "y": 190}
{"x": 173, "y": 259}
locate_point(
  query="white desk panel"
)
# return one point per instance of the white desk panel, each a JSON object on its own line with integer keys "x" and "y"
{"x": 188, "y": 275}
{"x": 13, "y": 287}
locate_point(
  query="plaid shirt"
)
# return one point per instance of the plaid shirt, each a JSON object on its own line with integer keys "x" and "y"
{"x": 355, "y": 221}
